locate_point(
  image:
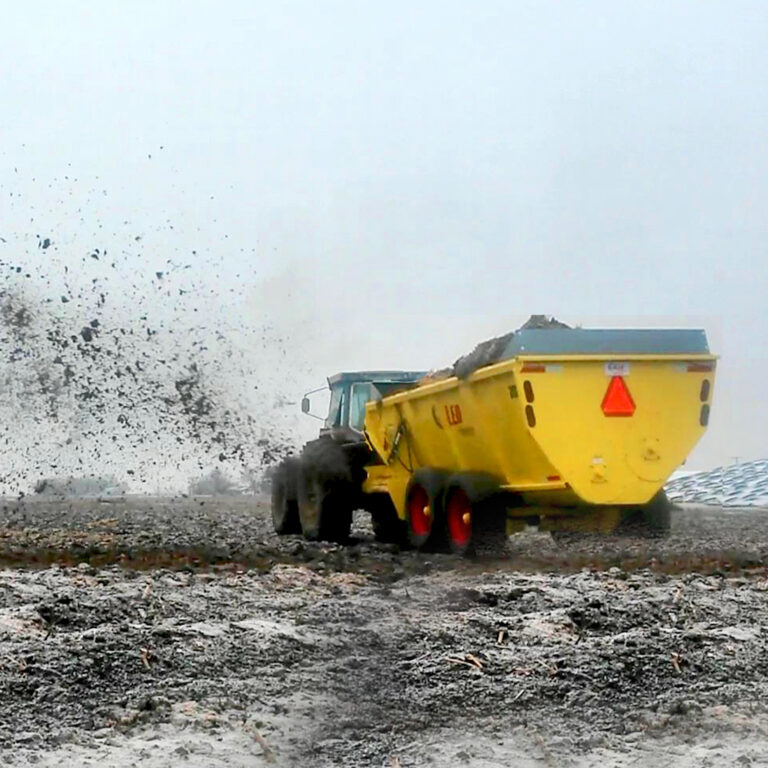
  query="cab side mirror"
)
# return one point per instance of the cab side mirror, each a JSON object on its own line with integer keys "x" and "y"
{"x": 305, "y": 405}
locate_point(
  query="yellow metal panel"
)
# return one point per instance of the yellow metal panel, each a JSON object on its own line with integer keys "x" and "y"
{"x": 616, "y": 460}
{"x": 391, "y": 479}
{"x": 480, "y": 425}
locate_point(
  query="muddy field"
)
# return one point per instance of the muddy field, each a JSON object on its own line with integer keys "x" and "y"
{"x": 182, "y": 632}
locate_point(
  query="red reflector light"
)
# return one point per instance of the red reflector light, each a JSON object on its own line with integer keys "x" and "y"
{"x": 700, "y": 367}
{"x": 617, "y": 400}
{"x": 533, "y": 368}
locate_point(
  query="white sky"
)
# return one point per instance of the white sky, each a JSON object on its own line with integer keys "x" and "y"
{"x": 389, "y": 183}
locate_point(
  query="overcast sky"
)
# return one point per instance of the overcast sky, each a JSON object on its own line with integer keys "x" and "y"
{"x": 388, "y": 183}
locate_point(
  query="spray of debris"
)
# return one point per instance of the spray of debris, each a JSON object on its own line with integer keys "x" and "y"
{"x": 115, "y": 367}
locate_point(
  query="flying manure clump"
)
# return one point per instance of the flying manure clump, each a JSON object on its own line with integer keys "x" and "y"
{"x": 122, "y": 382}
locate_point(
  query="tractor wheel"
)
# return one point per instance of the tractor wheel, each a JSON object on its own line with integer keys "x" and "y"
{"x": 325, "y": 514}
{"x": 326, "y": 493}
{"x": 388, "y": 528}
{"x": 285, "y": 508}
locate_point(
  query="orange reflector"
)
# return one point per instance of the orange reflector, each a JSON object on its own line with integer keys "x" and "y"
{"x": 533, "y": 368}
{"x": 617, "y": 400}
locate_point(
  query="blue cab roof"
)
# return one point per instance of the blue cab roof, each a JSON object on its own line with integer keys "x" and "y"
{"x": 406, "y": 377}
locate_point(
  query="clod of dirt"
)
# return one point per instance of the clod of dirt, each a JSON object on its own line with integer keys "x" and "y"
{"x": 492, "y": 351}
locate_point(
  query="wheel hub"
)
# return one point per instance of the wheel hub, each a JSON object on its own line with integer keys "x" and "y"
{"x": 458, "y": 514}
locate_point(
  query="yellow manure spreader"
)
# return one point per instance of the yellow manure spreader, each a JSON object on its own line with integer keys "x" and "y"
{"x": 570, "y": 430}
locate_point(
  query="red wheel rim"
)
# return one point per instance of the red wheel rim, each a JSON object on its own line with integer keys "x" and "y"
{"x": 419, "y": 513}
{"x": 458, "y": 513}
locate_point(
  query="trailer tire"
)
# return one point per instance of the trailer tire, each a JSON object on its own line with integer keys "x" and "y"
{"x": 484, "y": 532}
{"x": 459, "y": 520}
{"x": 285, "y": 507}
{"x": 474, "y": 528}
{"x": 424, "y": 509}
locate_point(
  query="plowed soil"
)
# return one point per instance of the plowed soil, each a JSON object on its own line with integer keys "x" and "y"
{"x": 161, "y": 632}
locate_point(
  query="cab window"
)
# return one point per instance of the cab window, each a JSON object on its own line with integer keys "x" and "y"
{"x": 335, "y": 408}
{"x": 361, "y": 394}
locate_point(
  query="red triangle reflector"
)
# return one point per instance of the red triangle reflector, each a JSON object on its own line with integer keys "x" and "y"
{"x": 617, "y": 400}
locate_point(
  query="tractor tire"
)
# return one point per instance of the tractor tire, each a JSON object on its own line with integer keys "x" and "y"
{"x": 325, "y": 514}
{"x": 285, "y": 507}
{"x": 326, "y": 495}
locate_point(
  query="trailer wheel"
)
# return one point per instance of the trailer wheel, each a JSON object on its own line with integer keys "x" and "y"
{"x": 424, "y": 509}
{"x": 325, "y": 514}
{"x": 478, "y": 528}
{"x": 425, "y": 527}
{"x": 458, "y": 520}
{"x": 420, "y": 515}
{"x": 285, "y": 507}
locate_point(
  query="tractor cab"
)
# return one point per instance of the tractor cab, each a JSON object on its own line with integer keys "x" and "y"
{"x": 351, "y": 391}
